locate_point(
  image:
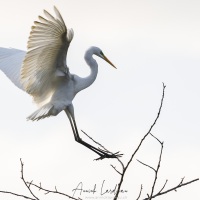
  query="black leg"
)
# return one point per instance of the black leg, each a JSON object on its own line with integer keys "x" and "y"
{"x": 77, "y": 137}
{"x": 72, "y": 125}
{"x": 103, "y": 154}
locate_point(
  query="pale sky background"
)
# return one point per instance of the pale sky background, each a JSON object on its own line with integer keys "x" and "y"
{"x": 150, "y": 42}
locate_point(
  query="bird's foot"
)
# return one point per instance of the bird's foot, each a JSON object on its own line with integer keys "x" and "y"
{"x": 106, "y": 154}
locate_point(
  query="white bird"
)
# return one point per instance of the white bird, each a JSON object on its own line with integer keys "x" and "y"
{"x": 43, "y": 73}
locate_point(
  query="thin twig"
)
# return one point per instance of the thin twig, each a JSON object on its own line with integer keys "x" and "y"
{"x": 19, "y": 195}
{"x": 155, "y": 138}
{"x": 47, "y": 191}
{"x": 29, "y": 184}
{"x": 95, "y": 141}
{"x": 182, "y": 180}
{"x": 163, "y": 186}
{"x": 172, "y": 189}
{"x": 103, "y": 148}
{"x": 116, "y": 169}
{"x": 156, "y": 172}
{"x": 146, "y": 165}
{"x": 22, "y": 177}
{"x": 106, "y": 150}
{"x": 138, "y": 147}
{"x": 124, "y": 168}
{"x": 140, "y": 193}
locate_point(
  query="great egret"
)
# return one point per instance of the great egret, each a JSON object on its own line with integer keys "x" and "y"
{"x": 43, "y": 73}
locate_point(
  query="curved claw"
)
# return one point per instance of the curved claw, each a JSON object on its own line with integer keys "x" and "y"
{"x": 109, "y": 155}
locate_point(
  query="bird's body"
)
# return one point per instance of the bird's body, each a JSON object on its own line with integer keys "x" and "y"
{"x": 43, "y": 73}
{"x": 66, "y": 86}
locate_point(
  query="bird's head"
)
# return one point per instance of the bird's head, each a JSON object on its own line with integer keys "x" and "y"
{"x": 98, "y": 52}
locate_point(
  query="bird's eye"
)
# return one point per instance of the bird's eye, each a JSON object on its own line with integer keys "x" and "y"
{"x": 101, "y": 53}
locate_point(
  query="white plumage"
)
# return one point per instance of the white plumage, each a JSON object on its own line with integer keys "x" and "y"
{"x": 43, "y": 73}
{"x": 10, "y": 63}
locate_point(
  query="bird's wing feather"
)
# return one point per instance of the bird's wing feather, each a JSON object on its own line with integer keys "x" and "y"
{"x": 10, "y": 63}
{"x": 47, "y": 49}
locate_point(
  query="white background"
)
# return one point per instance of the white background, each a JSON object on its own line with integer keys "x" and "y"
{"x": 150, "y": 42}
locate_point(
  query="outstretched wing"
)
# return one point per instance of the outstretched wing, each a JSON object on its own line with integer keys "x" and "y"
{"x": 10, "y": 63}
{"x": 46, "y": 56}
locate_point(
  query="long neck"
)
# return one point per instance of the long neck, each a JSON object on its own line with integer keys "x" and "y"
{"x": 87, "y": 81}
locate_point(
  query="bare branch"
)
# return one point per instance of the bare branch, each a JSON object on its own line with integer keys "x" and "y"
{"x": 154, "y": 123}
{"x": 29, "y": 184}
{"x": 140, "y": 193}
{"x": 104, "y": 148}
{"x": 122, "y": 174}
{"x": 172, "y": 189}
{"x": 22, "y": 177}
{"x": 156, "y": 172}
{"x": 146, "y": 165}
{"x": 19, "y": 195}
{"x": 156, "y": 138}
{"x": 138, "y": 147}
{"x": 182, "y": 180}
{"x": 163, "y": 186}
{"x": 47, "y": 191}
{"x": 40, "y": 186}
{"x": 95, "y": 141}
{"x": 117, "y": 154}
{"x": 116, "y": 169}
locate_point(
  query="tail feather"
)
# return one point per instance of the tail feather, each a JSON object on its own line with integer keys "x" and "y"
{"x": 41, "y": 113}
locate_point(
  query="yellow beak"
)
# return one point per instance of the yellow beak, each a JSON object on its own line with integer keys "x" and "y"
{"x": 106, "y": 59}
